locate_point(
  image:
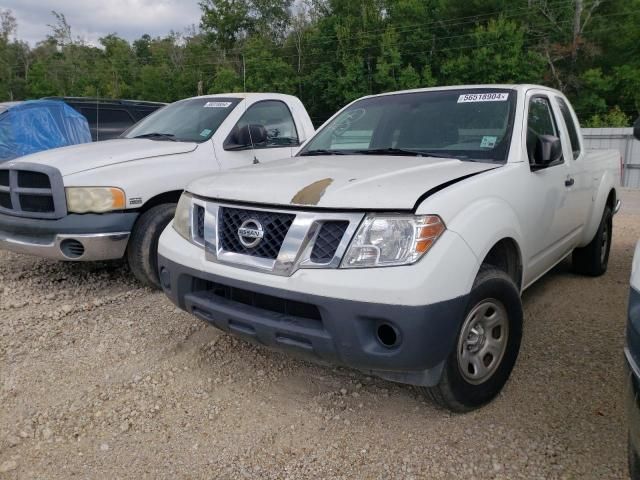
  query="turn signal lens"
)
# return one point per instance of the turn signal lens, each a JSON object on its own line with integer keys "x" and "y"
{"x": 428, "y": 234}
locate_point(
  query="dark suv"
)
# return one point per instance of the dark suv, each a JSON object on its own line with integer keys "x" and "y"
{"x": 109, "y": 118}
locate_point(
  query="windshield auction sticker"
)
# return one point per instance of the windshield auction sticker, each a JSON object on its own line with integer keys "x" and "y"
{"x": 483, "y": 97}
{"x": 217, "y": 105}
{"x": 488, "y": 141}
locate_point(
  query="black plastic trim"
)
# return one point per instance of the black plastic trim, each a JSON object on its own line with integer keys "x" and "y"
{"x": 346, "y": 334}
{"x": 70, "y": 224}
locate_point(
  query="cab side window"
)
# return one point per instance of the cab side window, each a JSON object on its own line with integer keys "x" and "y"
{"x": 540, "y": 121}
{"x": 574, "y": 138}
{"x": 274, "y": 116}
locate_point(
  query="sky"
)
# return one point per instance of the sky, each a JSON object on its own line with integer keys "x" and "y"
{"x": 92, "y": 19}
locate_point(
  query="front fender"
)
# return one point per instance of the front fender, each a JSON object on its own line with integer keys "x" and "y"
{"x": 483, "y": 223}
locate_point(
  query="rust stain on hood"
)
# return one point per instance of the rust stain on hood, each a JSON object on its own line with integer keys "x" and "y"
{"x": 312, "y": 193}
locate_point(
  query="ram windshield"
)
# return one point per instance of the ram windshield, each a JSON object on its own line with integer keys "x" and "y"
{"x": 465, "y": 124}
{"x": 192, "y": 120}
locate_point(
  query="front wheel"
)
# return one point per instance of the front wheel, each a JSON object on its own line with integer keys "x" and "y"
{"x": 486, "y": 347}
{"x": 142, "y": 252}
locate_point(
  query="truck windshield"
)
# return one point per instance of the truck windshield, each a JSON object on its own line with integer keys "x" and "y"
{"x": 191, "y": 120}
{"x": 469, "y": 124}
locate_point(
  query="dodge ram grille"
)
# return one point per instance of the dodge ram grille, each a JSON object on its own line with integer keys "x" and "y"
{"x": 31, "y": 190}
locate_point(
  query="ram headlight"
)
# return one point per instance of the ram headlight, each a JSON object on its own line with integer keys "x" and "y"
{"x": 182, "y": 218}
{"x": 94, "y": 199}
{"x": 388, "y": 240}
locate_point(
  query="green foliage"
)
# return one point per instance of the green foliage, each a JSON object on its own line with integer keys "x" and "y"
{"x": 329, "y": 52}
{"x": 498, "y": 55}
{"x": 226, "y": 80}
{"x": 613, "y": 118}
{"x": 229, "y": 21}
{"x": 264, "y": 71}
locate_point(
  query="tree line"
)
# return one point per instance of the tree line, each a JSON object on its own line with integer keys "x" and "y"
{"x": 329, "y": 52}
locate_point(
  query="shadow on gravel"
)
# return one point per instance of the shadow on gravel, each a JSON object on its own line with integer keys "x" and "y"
{"x": 563, "y": 269}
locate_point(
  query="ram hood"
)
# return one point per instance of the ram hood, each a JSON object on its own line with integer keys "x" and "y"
{"x": 337, "y": 181}
{"x": 89, "y": 156}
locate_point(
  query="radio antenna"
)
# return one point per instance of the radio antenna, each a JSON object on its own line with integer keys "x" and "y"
{"x": 246, "y": 99}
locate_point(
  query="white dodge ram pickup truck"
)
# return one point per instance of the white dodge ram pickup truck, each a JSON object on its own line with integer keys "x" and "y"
{"x": 105, "y": 200}
{"x": 399, "y": 239}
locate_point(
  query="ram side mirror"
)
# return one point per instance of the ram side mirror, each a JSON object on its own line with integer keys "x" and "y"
{"x": 636, "y": 129}
{"x": 547, "y": 151}
{"x": 246, "y": 137}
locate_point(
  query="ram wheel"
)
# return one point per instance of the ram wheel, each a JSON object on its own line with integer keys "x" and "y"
{"x": 142, "y": 251}
{"x": 593, "y": 259}
{"x": 486, "y": 347}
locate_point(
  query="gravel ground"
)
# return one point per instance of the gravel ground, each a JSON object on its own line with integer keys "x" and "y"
{"x": 100, "y": 378}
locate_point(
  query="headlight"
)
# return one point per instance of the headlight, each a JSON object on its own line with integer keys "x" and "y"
{"x": 94, "y": 199}
{"x": 182, "y": 219}
{"x": 387, "y": 240}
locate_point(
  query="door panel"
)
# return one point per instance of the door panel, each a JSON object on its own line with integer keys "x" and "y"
{"x": 579, "y": 194}
{"x": 550, "y": 231}
{"x": 282, "y": 136}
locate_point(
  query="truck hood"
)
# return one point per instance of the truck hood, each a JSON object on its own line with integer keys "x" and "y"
{"x": 88, "y": 156}
{"x": 337, "y": 182}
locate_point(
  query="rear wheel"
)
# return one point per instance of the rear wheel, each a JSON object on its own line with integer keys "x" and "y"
{"x": 593, "y": 259}
{"x": 487, "y": 345}
{"x": 142, "y": 252}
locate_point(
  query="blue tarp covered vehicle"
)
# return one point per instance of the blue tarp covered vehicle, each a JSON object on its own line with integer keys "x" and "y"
{"x": 36, "y": 125}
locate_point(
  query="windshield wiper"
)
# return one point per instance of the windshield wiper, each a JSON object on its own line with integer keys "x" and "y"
{"x": 405, "y": 151}
{"x": 387, "y": 151}
{"x": 165, "y": 136}
{"x": 426, "y": 153}
{"x": 321, "y": 152}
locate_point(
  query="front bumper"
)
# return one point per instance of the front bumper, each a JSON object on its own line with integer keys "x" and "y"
{"x": 320, "y": 328}
{"x": 632, "y": 402}
{"x": 87, "y": 237}
{"x": 632, "y": 371}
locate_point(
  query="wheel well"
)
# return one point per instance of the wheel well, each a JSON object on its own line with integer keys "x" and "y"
{"x": 611, "y": 199}
{"x": 505, "y": 255}
{"x": 166, "y": 197}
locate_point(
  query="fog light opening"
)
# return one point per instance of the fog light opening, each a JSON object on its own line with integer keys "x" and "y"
{"x": 71, "y": 248}
{"x": 165, "y": 278}
{"x": 388, "y": 335}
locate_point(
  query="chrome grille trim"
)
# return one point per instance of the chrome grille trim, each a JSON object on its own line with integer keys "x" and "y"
{"x": 295, "y": 252}
{"x": 55, "y": 190}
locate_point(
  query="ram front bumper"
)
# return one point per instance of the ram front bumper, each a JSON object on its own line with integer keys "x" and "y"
{"x": 87, "y": 237}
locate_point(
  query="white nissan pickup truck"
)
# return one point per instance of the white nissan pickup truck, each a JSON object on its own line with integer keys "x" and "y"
{"x": 111, "y": 199}
{"x": 399, "y": 239}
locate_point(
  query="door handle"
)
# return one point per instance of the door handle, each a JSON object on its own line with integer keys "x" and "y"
{"x": 569, "y": 182}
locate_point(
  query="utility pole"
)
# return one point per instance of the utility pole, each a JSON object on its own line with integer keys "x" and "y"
{"x": 244, "y": 74}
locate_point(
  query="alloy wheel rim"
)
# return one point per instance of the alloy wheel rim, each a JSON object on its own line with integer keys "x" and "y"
{"x": 483, "y": 341}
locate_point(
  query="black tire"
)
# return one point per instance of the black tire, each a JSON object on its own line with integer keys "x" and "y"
{"x": 454, "y": 392}
{"x": 142, "y": 251}
{"x": 593, "y": 259}
{"x": 634, "y": 461}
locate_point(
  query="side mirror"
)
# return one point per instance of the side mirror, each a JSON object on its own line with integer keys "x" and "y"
{"x": 548, "y": 150}
{"x": 246, "y": 137}
{"x": 636, "y": 129}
